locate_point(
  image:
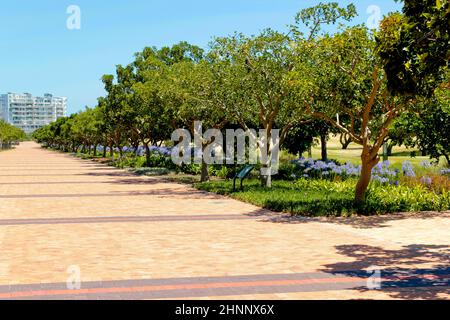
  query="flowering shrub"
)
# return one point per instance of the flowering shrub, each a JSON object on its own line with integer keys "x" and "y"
{"x": 309, "y": 168}
{"x": 140, "y": 151}
{"x": 163, "y": 151}
{"x": 426, "y": 164}
{"x": 383, "y": 174}
{"x": 408, "y": 170}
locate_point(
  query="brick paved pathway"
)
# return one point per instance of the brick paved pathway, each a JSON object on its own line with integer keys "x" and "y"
{"x": 127, "y": 237}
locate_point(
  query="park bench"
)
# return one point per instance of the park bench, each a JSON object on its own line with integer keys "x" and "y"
{"x": 245, "y": 171}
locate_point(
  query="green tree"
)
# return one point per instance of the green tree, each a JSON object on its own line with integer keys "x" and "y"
{"x": 153, "y": 107}
{"x": 116, "y": 116}
{"x": 86, "y": 129}
{"x": 428, "y": 126}
{"x": 198, "y": 96}
{"x": 415, "y": 46}
{"x": 9, "y": 135}
{"x": 342, "y": 74}
{"x": 253, "y": 74}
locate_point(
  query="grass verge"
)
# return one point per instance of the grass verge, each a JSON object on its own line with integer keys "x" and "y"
{"x": 326, "y": 198}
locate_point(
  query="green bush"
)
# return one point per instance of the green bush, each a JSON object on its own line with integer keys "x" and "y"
{"x": 287, "y": 171}
{"x": 224, "y": 171}
{"x": 161, "y": 161}
{"x": 190, "y": 168}
{"x": 130, "y": 162}
{"x": 389, "y": 199}
{"x": 139, "y": 162}
{"x": 156, "y": 161}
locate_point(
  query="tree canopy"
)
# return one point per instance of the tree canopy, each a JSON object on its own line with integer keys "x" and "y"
{"x": 415, "y": 46}
{"x": 9, "y": 134}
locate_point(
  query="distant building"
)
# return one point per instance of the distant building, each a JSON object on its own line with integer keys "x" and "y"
{"x": 30, "y": 113}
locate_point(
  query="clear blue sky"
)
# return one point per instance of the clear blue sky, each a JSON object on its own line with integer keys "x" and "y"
{"x": 38, "y": 54}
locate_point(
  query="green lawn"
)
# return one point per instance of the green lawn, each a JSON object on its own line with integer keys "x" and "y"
{"x": 353, "y": 153}
{"x": 327, "y": 198}
{"x": 284, "y": 196}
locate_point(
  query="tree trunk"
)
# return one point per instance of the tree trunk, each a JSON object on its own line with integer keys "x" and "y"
{"x": 204, "y": 172}
{"x": 95, "y": 150}
{"x": 111, "y": 151}
{"x": 310, "y": 152}
{"x": 385, "y": 152}
{"x": 323, "y": 144}
{"x": 345, "y": 141}
{"x": 204, "y": 169}
{"x": 147, "y": 155}
{"x": 366, "y": 174}
{"x": 389, "y": 149}
{"x": 266, "y": 180}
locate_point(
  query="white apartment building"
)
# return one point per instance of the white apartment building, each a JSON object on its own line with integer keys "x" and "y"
{"x": 30, "y": 113}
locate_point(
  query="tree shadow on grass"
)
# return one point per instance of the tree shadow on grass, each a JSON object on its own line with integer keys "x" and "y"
{"x": 412, "y": 272}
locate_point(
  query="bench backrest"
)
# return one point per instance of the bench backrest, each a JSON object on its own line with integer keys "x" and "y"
{"x": 245, "y": 172}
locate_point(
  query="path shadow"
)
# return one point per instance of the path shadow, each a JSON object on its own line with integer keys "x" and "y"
{"x": 133, "y": 180}
{"x": 115, "y": 173}
{"x": 187, "y": 194}
{"x": 359, "y": 222}
{"x": 413, "y": 272}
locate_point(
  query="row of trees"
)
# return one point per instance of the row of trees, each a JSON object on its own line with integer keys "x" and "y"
{"x": 308, "y": 83}
{"x": 9, "y": 135}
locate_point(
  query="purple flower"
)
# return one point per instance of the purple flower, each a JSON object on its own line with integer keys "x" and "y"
{"x": 426, "y": 181}
{"x": 380, "y": 180}
{"x": 408, "y": 170}
{"x": 425, "y": 164}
